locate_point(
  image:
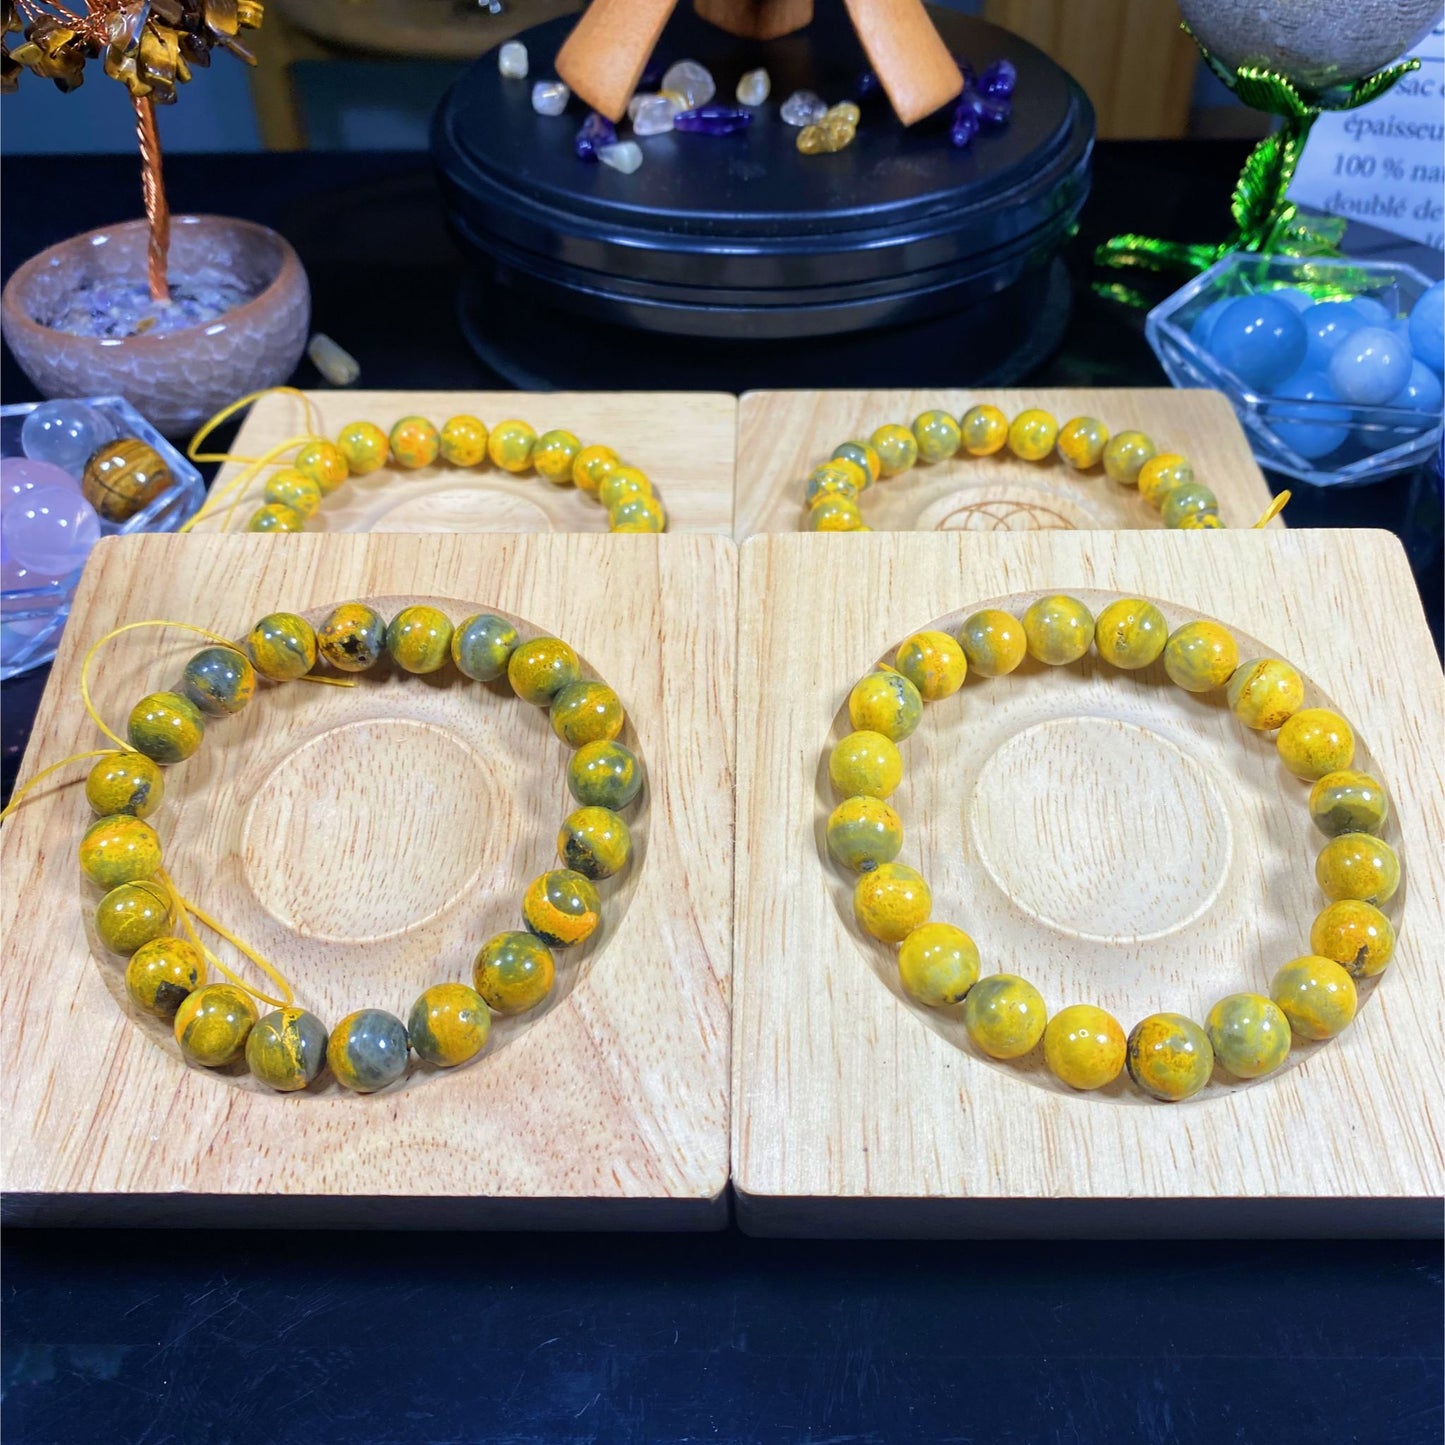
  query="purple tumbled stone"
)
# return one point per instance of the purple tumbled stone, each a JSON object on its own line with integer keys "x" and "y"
{"x": 713, "y": 120}
{"x": 999, "y": 79}
{"x": 991, "y": 111}
{"x": 964, "y": 127}
{"x": 596, "y": 131}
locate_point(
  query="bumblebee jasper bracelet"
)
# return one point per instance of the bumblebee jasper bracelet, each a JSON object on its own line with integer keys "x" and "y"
{"x": 1168, "y": 1055}
{"x": 1130, "y": 458}
{"x": 143, "y": 918}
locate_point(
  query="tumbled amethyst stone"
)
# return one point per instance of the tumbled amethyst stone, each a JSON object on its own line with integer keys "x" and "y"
{"x": 999, "y": 79}
{"x": 713, "y": 120}
{"x": 597, "y": 131}
{"x": 964, "y": 127}
{"x": 991, "y": 111}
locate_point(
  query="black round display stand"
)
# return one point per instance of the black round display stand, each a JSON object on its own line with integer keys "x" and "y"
{"x": 738, "y": 255}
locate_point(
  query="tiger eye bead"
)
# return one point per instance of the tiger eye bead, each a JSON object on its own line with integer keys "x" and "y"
{"x": 514, "y": 972}
{"x": 985, "y": 430}
{"x": 213, "y": 1023}
{"x": 1124, "y": 456}
{"x": 1265, "y": 693}
{"x": 1004, "y": 1015}
{"x": 1081, "y": 443}
{"x": 933, "y": 662}
{"x": 1315, "y": 742}
{"x": 1356, "y": 935}
{"x": 553, "y": 455}
{"x": 415, "y": 442}
{"x": 1084, "y": 1047}
{"x": 864, "y": 456}
{"x": 162, "y": 973}
{"x": 1169, "y": 1056}
{"x": 591, "y": 466}
{"x": 864, "y": 832}
{"x": 166, "y": 727}
{"x": 419, "y": 639}
{"x": 937, "y": 435}
{"x": 288, "y": 488}
{"x": 282, "y": 646}
{"x": 1249, "y": 1035}
{"x": 586, "y": 712}
{"x": 937, "y": 964}
{"x": 482, "y": 645}
{"x": 365, "y": 447}
{"x": 219, "y": 680}
{"x": 510, "y": 445}
{"x": 594, "y": 842}
{"x": 449, "y": 1025}
{"x": 123, "y": 477}
{"x": 1032, "y": 434}
{"x": 352, "y": 638}
{"x": 119, "y": 850}
{"x": 1348, "y": 802}
{"x": 561, "y": 907}
{"x": 132, "y": 915}
{"x": 368, "y": 1050}
{"x": 1058, "y": 630}
{"x": 897, "y": 450}
{"x": 125, "y": 783}
{"x": 1316, "y": 995}
{"x": 1160, "y": 475}
{"x": 539, "y": 669}
{"x": 463, "y": 441}
{"x": 890, "y": 901}
{"x": 286, "y": 1049}
{"x": 274, "y": 517}
{"x": 1200, "y": 656}
{"x": 322, "y": 462}
{"x": 993, "y": 642}
{"x": 865, "y": 764}
{"x": 887, "y": 703}
{"x": 1357, "y": 865}
{"x": 604, "y": 775}
{"x": 1130, "y": 633}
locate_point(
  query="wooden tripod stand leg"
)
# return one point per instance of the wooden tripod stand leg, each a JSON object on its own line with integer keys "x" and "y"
{"x": 608, "y": 48}
{"x": 756, "y": 19}
{"x": 911, "y": 61}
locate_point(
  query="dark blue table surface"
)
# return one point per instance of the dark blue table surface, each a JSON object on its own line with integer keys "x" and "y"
{"x": 209, "y": 1337}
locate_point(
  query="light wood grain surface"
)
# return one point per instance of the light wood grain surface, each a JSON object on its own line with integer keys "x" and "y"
{"x": 1115, "y": 841}
{"x": 684, "y": 442}
{"x": 369, "y": 840}
{"x": 783, "y": 435}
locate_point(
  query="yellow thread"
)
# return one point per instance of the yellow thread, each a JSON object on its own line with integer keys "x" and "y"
{"x": 194, "y": 452}
{"x": 1273, "y": 510}
{"x": 186, "y": 908}
{"x": 235, "y": 488}
{"x": 25, "y": 787}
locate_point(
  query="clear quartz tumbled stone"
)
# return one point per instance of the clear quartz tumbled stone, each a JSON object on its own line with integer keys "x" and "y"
{"x": 512, "y": 60}
{"x": 654, "y": 116}
{"x": 802, "y": 107}
{"x": 753, "y": 88}
{"x": 550, "y": 97}
{"x": 691, "y": 81}
{"x": 625, "y": 156}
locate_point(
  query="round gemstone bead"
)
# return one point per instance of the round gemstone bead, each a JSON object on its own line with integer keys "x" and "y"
{"x": 368, "y": 1050}
{"x": 1058, "y": 630}
{"x": 1370, "y": 366}
{"x": 863, "y": 456}
{"x": 482, "y": 646}
{"x": 1169, "y": 1056}
{"x": 937, "y": 964}
{"x": 213, "y": 1023}
{"x": 887, "y": 703}
{"x": 49, "y": 532}
{"x": 1426, "y": 328}
{"x": 985, "y": 430}
{"x": 124, "y": 477}
{"x": 604, "y": 775}
{"x": 352, "y": 638}
{"x": 890, "y": 901}
{"x": 125, "y": 783}
{"x": 166, "y": 727}
{"x": 119, "y": 850}
{"x": 1191, "y": 499}
{"x": 449, "y": 1025}
{"x": 1084, "y": 1047}
{"x": 897, "y": 449}
{"x": 288, "y": 488}
{"x": 1124, "y": 456}
{"x": 561, "y": 907}
{"x": 933, "y": 662}
{"x": 865, "y": 763}
{"x": 65, "y": 433}
{"x": 594, "y": 842}
{"x": 834, "y": 514}
{"x": 1260, "y": 339}
{"x": 553, "y": 455}
{"x": 1316, "y": 995}
{"x": 1326, "y": 325}
{"x": 1357, "y": 865}
{"x": 323, "y": 463}
{"x": 540, "y": 668}
{"x": 1200, "y": 656}
{"x": 275, "y": 517}
{"x": 365, "y": 447}
{"x": 586, "y": 712}
{"x": 1356, "y": 935}
{"x": 162, "y": 973}
{"x": 832, "y": 480}
{"x": 1160, "y": 475}
{"x": 1304, "y": 414}
{"x": 510, "y": 445}
{"x": 1265, "y": 693}
{"x": 1348, "y": 802}
{"x": 1004, "y": 1015}
{"x": 282, "y": 646}
{"x": 463, "y": 441}
{"x": 419, "y": 639}
{"x": 641, "y": 514}
{"x": 286, "y": 1049}
{"x": 219, "y": 680}
{"x": 1081, "y": 444}
{"x": 1249, "y": 1035}
{"x": 1314, "y": 742}
{"x": 864, "y": 832}
{"x": 938, "y": 436}
{"x": 591, "y": 466}
{"x": 415, "y": 442}
{"x": 1131, "y": 633}
{"x": 993, "y": 642}
{"x": 133, "y": 914}
{"x": 621, "y": 485}
{"x": 1032, "y": 434}
{"x": 514, "y": 972}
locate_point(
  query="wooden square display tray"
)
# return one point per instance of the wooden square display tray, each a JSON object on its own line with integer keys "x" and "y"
{"x": 783, "y": 435}
{"x": 683, "y": 441}
{"x": 368, "y": 840}
{"x": 1114, "y": 840}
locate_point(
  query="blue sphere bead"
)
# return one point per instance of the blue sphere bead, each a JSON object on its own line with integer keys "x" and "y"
{"x": 1371, "y": 311}
{"x": 1421, "y": 395}
{"x": 1260, "y": 340}
{"x": 1427, "y": 328}
{"x": 1370, "y": 366}
{"x": 1314, "y": 430}
{"x": 1326, "y": 325}
{"x": 1202, "y": 330}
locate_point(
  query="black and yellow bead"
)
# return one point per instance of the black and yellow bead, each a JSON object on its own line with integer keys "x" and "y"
{"x": 561, "y": 907}
{"x": 368, "y": 1050}
{"x": 129, "y": 916}
{"x": 514, "y": 972}
{"x": 449, "y": 1025}
{"x": 482, "y": 646}
{"x": 419, "y": 639}
{"x": 463, "y": 441}
{"x": 586, "y": 712}
{"x": 604, "y": 775}
{"x": 286, "y": 1050}
{"x": 166, "y": 726}
{"x": 937, "y": 435}
{"x": 1131, "y": 633}
{"x": 282, "y": 646}
{"x": 594, "y": 842}
{"x": 212, "y": 1024}
{"x": 119, "y": 849}
{"x": 219, "y": 680}
{"x": 125, "y": 783}
{"x": 538, "y": 670}
{"x": 162, "y": 973}
{"x": 352, "y": 638}
{"x": 637, "y": 514}
{"x": 864, "y": 457}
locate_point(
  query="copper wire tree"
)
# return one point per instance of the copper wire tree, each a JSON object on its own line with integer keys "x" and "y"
{"x": 150, "y": 45}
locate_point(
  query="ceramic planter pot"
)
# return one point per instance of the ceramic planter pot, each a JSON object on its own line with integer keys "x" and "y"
{"x": 180, "y": 379}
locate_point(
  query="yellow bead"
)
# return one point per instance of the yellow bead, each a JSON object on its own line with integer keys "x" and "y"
{"x": 352, "y": 638}
{"x": 162, "y": 973}
{"x": 937, "y": 964}
{"x": 1199, "y": 522}
{"x": 133, "y": 914}
{"x": 1356, "y": 935}
{"x": 1189, "y": 503}
{"x": 1084, "y": 1046}
{"x": 890, "y": 901}
{"x": 985, "y": 430}
{"x": 897, "y": 450}
{"x": 119, "y": 850}
{"x": 1169, "y": 1056}
{"x": 282, "y": 646}
{"x": 639, "y": 513}
{"x": 274, "y": 517}
{"x": 1249, "y": 1035}
{"x": 863, "y": 456}
{"x": 993, "y": 642}
{"x": 1160, "y": 475}
{"x": 832, "y": 480}
{"x": 368, "y": 1050}
{"x": 1264, "y": 693}
{"x": 1058, "y": 630}
{"x": 845, "y": 111}
{"x": 365, "y": 447}
{"x": 561, "y": 907}
{"x": 591, "y": 465}
{"x": 539, "y": 669}
{"x": 166, "y": 726}
{"x": 834, "y": 514}
{"x": 864, "y": 832}
{"x": 463, "y": 441}
{"x": 594, "y": 842}
{"x": 510, "y": 445}
{"x": 1348, "y": 802}
{"x": 622, "y": 483}
{"x": 1200, "y": 656}
{"x": 887, "y": 703}
{"x": 1124, "y": 456}
{"x": 933, "y": 662}
{"x": 937, "y": 435}
{"x": 1130, "y": 633}
{"x": 866, "y": 764}
{"x": 419, "y": 639}
{"x": 514, "y": 972}
{"x": 1081, "y": 445}
{"x": 554, "y": 454}
{"x": 1004, "y": 1015}
{"x": 286, "y": 1049}
{"x": 212, "y": 1024}
{"x": 1316, "y": 741}
{"x": 1357, "y": 865}
{"x": 449, "y": 1025}
{"x": 1032, "y": 434}
{"x": 415, "y": 442}
{"x": 586, "y": 712}
{"x": 323, "y": 463}
{"x": 126, "y": 783}
{"x": 288, "y": 488}
{"x": 1317, "y": 996}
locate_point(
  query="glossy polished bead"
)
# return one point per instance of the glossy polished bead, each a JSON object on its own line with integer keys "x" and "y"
{"x": 937, "y": 964}
{"x": 1370, "y": 366}
{"x": 831, "y": 480}
{"x": 1200, "y": 656}
{"x": 1169, "y": 1056}
{"x": 540, "y": 668}
{"x": 352, "y": 638}
{"x": 1124, "y": 456}
{"x": 692, "y": 81}
{"x": 65, "y": 433}
{"x": 282, "y": 646}
{"x": 1189, "y": 499}
{"x": 992, "y": 111}
{"x": 419, "y": 639}
{"x": 126, "y": 783}
{"x": 553, "y": 455}
{"x": 1249, "y": 1034}
{"x": 1356, "y": 935}
{"x": 938, "y": 436}
{"x": 288, "y": 488}
{"x": 286, "y": 1049}
{"x": 213, "y": 1023}
{"x": 219, "y": 680}
{"x": 514, "y": 972}
{"x": 561, "y": 907}
{"x": 625, "y": 156}
{"x": 637, "y": 514}
{"x": 1260, "y": 339}
{"x": 896, "y": 447}
{"x": 550, "y": 97}
{"x": 591, "y": 466}
{"x": 887, "y": 703}
{"x": 463, "y": 441}
{"x": 166, "y": 727}
{"x": 993, "y": 642}
{"x": 1004, "y": 1015}
{"x": 964, "y": 126}
{"x": 1032, "y": 434}
{"x": 863, "y": 456}
{"x": 985, "y": 430}
{"x": 1326, "y": 324}
{"x": 1426, "y": 328}
{"x": 594, "y": 842}
{"x": 48, "y": 533}
{"x": 999, "y": 79}
{"x": 604, "y": 775}
{"x": 510, "y": 445}
{"x": 1058, "y": 630}
{"x": 713, "y": 120}
{"x": 890, "y": 901}
{"x": 1084, "y": 1047}
{"x": 322, "y": 462}
{"x": 1357, "y": 865}
{"x": 1316, "y": 995}
{"x": 449, "y": 1025}
{"x": 1348, "y": 802}
{"x": 365, "y": 447}
{"x": 1314, "y": 742}
{"x": 1200, "y": 522}
{"x": 119, "y": 850}
{"x": 124, "y": 477}
{"x": 834, "y": 514}
{"x": 933, "y": 662}
{"x": 482, "y": 645}
{"x": 586, "y": 712}
{"x": 621, "y": 484}
{"x": 865, "y": 763}
{"x": 512, "y": 60}
{"x": 803, "y": 108}
{"x": 1265, "y": 693}
{"x": 162, "y": 973}
{"x": 1131, "y": 633}
{"x": 133, "y": 914}
{"x": 592, "y": 135}
{"x": 1301, "y": 414}
{"x": 368, "y": 1050}
{"x": 1160, "y": 475}
{"x": 274, "y": 517}
{"x": 415, "y": 442}
{"x": 753, "y": 87}
{"x": 864, "y": 832}
{"x": 1081, "y": 443}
